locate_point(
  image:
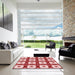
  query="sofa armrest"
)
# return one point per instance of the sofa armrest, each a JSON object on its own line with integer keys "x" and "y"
{"x": 6, "y": 57}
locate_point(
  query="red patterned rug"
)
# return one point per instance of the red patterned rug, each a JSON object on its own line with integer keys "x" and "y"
{"x": 37, "y": 63}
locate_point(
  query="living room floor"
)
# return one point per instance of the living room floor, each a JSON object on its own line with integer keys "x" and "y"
{"x": 68, "y": 64}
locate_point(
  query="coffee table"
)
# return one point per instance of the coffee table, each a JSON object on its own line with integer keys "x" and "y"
{"x": 40, "y": 53}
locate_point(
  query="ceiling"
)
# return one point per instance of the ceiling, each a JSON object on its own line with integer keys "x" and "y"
{"x": 51, "y": 1}
{"x": 42, "y": 4}
{"x": 34, "y": 4}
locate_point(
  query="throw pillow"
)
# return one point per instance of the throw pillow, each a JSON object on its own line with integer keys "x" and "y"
{"x": 3, "y": 45}
{"x": 9, "y": 46}
{"x": 13, "y": 44}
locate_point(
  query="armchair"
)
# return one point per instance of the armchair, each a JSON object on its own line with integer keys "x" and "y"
{"x": 69, "y": 52}
{"x": 51, "y": 45}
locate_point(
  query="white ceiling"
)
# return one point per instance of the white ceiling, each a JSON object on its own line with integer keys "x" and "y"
{"x": 34, "y": 4}
{"x": 39, "y": 6}
{"x": 29, "y": 1}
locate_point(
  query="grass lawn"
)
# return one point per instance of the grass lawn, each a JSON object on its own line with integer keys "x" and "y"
{"x": 39, "y": 44}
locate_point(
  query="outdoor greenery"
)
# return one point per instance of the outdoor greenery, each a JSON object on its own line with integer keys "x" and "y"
{"x": 40, "y": 44}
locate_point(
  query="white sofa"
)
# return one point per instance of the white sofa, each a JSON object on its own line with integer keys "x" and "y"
{"x": 9, "y": 55}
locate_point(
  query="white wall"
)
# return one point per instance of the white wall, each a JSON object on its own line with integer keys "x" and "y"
{"x": 6, "y": 35}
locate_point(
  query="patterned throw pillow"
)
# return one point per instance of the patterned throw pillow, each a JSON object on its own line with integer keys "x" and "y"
{"x": 3, "y": 45}
{"x": 9, "y": 46}
{"x": 13, "y": 44}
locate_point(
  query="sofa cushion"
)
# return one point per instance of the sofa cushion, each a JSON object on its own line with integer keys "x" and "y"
{"x": 17, "y": 51}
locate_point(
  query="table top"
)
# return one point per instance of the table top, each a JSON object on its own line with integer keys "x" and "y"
{"x": 41, "y": 52}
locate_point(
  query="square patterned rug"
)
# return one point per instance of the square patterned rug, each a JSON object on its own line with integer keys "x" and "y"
{"x": 37, "y": 63}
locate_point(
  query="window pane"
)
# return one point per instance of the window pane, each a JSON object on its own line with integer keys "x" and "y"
{"x": 41, "y": 23}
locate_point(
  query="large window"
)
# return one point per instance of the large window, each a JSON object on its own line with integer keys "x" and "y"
{"x": 40, "y": 24}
